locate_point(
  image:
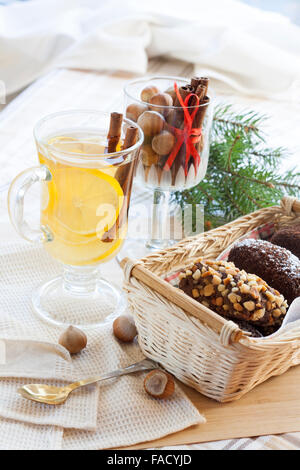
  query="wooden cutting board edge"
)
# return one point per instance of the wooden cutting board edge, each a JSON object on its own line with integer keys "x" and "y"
{"x": 271, "y": 408}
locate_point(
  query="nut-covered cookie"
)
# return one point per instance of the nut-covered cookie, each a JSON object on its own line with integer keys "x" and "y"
{"x": 232, "y": 293}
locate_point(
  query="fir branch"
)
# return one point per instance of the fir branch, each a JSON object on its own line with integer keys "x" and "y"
{"x": 243, "y": 175}
{"x": 237, "y": 137}
{"x": 237, "y": 124}
{"x": 247, "y": 178}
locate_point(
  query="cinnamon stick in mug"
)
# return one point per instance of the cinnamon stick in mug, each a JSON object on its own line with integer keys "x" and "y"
{"x": 127, "y": 170}
{"x": 123, "y": 175}
{"x": 130, "y": 140}
{"x": 114, "y": 132}
{"x": 122, "y": 171}
{"x": 130, "y": 137}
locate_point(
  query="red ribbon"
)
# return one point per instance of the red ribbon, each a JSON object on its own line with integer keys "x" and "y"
{"x": 188, "y": 135}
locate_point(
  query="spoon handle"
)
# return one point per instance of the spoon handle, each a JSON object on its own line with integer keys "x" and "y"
{"x": 146, "y": 364}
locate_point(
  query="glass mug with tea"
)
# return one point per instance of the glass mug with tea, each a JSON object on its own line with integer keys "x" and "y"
{"x": 87, "y": 162}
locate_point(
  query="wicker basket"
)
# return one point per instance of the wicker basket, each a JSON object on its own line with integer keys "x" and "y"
{"x": 198, "y": 346}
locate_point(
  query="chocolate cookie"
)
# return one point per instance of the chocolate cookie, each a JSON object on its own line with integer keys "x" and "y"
{"x": 245, "y": 326}
{"x": 276, "y": 265}
{"x": 233, "y": 293}
{"x": 289, "y": 238}
{"x": 268, "y": 330}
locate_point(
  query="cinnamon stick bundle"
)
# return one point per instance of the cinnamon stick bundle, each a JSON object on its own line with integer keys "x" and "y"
{"x": 114, "y": 132}
{"x": 199, "y": 87}
{"x": 196, "y": 81}
{"x": 178, "y": 118}
{"x": 201, "y": 91}
{"x": 184, "y": 91}
{"x": 200, "y": 115}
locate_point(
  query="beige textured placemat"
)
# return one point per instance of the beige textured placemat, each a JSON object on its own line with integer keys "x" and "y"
{"x": 15, "y": 435}
{"x": 123, "y": 413}
{"x": 22, "y": 268}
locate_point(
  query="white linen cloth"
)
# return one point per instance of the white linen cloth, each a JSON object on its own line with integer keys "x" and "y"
{"x": 253, "y": 51}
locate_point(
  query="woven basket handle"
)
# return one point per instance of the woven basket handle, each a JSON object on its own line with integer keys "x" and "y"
{"x": 296, "y": 206}
{"x": 229, "y": 332}
{"x": 290, "y": 204}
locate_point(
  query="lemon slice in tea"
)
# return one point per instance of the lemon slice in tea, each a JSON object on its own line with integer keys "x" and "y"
{"x": 88, "y": 201}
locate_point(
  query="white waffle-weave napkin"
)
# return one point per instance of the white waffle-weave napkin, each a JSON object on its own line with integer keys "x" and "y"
{"x": 22, "y": 268}
{"x": 21, "y": 436}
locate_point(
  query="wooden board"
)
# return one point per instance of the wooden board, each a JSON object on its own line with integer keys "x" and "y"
{"x": 271, "y": 408}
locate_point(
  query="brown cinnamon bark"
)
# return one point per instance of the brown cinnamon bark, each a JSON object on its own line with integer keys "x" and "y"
{"x": 178, "y": 117}
{"x": 114, "y": 132}
{"x": 184, "y": 91}
{"x": 199, "y": 118}
{"x": 125, "y": 179}
{"x": 178, "y": 162}
{"x": 195, "y": 81}
{"x": 204, "y": 81}
{"x": 130, "y": 137}
{"x": 124, "y": 175}
{"x": 201, "y": 92}
{"x": 198, "y": 121}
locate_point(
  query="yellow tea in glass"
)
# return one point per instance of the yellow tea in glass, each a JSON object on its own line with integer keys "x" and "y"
{"x": 85, "y": 195}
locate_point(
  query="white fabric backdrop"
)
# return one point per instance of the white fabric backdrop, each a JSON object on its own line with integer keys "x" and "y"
{"x": 254, "y": 52}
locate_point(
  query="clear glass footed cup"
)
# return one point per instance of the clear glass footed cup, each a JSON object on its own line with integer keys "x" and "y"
{"x": 85, "y": 196}
{"x": 175, "y": 151}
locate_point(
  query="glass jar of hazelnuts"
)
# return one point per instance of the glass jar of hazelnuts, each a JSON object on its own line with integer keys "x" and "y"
{"x": 175, "y": 115}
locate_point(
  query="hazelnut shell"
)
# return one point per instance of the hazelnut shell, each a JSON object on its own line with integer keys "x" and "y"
{"x": 148, "y": 92}
{"x": 161, "y": 103}
{"x": 151, "y": 122}
{"x": 159, "y": 384}
{"x": 148, "y": 156}
{"x": 163, "y": 143}
{"x": 124, "y": 328}
{"x": 134, "y": 111}
{"x": 170, "y": 91}
{"x": 73, "y": 339}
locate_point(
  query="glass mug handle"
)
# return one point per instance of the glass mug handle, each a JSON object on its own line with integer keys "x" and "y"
{"x": 16, "y": 195}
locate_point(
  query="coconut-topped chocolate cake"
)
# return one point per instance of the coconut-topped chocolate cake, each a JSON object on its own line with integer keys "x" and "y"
{"x": 289, "y": 238}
